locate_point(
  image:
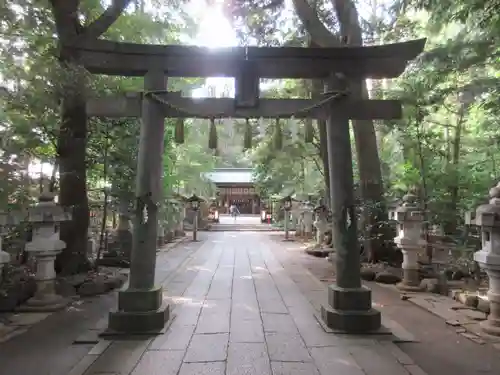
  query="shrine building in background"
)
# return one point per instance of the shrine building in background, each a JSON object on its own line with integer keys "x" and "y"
{"x": 235, "y": 185}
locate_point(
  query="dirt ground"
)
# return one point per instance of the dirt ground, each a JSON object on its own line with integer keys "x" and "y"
{"x": 439, "y": 350}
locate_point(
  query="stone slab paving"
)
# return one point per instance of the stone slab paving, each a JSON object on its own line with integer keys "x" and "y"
{"x": 239, "y": 313}
{"x": 314, "y": 290}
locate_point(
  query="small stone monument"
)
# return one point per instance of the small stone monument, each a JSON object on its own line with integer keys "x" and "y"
{"x": 409, "y": 219}
{"x": 488, "y": 218}
{"x": 91, "y": 244}
{"x": 299, "y": 215}
{"x": 321, "y": 224}
{"x": 123, "y": 232}
{"x": 308, "y": 218}
{"x": 182, "y": 217}
{"x": 437, "y": 230}
{"x": 287, "y": 207}
{"x": 45, "y": 245}
{"x": 160, "y": 237}
{"x": 294, "y": 219}
{"x": 178, "y": 218}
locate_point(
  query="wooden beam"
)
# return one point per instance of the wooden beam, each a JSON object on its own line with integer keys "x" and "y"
{"x": 115, "y": 106}
{"x": 180, "y": 107}
{"x": 386, "y": 61}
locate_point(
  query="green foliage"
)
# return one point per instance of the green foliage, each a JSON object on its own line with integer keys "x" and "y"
{"x": 446, "y": 144}
{"x": 186, "y": 163}
{"x": 293, "y": 168}
{"x": 29, "y": 116}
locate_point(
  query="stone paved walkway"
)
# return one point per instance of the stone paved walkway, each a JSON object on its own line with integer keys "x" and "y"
{"x": 237, "y": 312}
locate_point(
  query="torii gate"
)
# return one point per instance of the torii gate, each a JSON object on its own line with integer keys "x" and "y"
{"x": 140, "y": 308}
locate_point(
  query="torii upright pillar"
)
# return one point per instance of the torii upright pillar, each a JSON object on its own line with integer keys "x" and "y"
{"x": 349, "y": 302}
{"x": 140, "y": 307}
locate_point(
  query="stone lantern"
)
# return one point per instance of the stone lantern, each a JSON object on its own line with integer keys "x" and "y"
{"x": 409, "y": 220}
{"x": 488, "y": 258}
{"x": 321, "y": 224}
{"x": 45, "y": 245}
{"x": 194, "y": 202}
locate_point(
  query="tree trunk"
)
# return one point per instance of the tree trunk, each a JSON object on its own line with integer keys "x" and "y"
{"x": 377, "y": 236}
{"x": 323, "y": 147}
{"x": 72, "y": 144}
{"x": 324, "y": 159}
{"x": 450, "y": 225}
{"x": 72, "y": 141}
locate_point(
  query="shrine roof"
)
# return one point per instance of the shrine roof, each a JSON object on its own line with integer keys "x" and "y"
{"x": 231, "y": 176}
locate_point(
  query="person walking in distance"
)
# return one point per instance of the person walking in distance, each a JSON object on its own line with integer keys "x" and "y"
{"x": 233, "y": 210}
